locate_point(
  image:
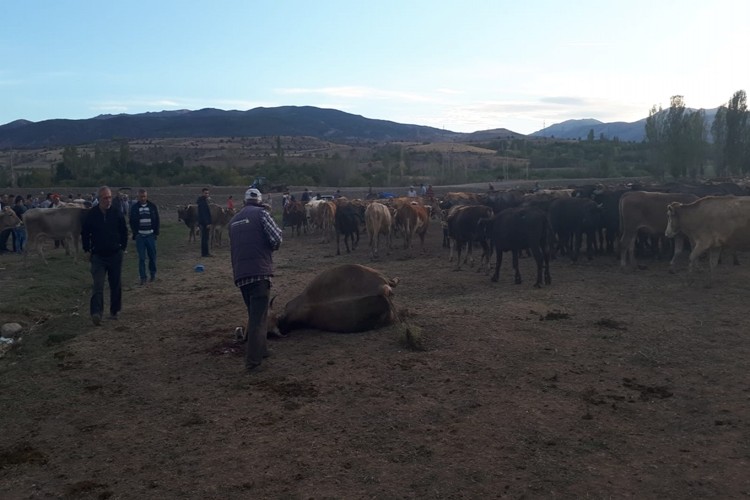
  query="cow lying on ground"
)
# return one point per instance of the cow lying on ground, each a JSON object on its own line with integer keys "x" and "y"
{"x": 711, "y": 224}
{"x": 344, "y": 299}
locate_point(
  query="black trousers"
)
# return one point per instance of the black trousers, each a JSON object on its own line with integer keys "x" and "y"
{"x": 256, "y": 297}
{"x": 111, "y": 268}
{"x": 205, "y": 234}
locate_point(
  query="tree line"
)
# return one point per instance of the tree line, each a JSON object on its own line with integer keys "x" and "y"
{"x": 678, "y": 144}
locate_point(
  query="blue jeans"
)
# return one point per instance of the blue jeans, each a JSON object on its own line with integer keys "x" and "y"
{"x": 109, "y": 267}
{"x": 19, "y": 234}
{"x": 146, "y": 245}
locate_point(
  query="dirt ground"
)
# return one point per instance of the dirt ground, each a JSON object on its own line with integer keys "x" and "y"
{"x": 606, "y": 384}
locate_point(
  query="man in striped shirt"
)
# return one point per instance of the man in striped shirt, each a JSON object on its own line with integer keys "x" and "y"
{"x": 254, "y": 236}
{"x": 144, "y": 222}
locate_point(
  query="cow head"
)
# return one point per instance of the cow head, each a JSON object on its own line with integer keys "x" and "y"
{"x": 673, "y": 223}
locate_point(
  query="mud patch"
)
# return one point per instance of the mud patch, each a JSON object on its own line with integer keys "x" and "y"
{"x": 610, "y": 324}
{"x": 288, "y": 389}
{"x": 647, "y": 392}
{"x": 22, "y": 453}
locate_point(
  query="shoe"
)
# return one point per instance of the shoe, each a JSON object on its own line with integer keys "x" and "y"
{"x": 267, "y": 354}
{"x": 207, "y": 255}
{"x": 143, "y": 281}
{"x": 96, "y": 319}
{"x": 255, "y": 368}
{"x": 153, "y": 278}
{"x": 112, "y": 317}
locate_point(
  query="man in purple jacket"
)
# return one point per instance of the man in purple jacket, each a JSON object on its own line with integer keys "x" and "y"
{"x": 254, "y": 237}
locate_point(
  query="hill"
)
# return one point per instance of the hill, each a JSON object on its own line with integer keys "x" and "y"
{"x": 624, "y": 131}
{"x": 326, "y": 124}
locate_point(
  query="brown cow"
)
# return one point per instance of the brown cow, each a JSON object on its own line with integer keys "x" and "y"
{"x": 412, "y": 218}
{"x": 189, "y": 215}
{"x": 641, "y": 210}
{"x": 294, "y": 216}
{"x": 378, "y": 221}
{"x": 220, "y": 218}
{"x": 344, "y": 299}
{"x": 711, "y": 224}
{"x": 8, "y": 219}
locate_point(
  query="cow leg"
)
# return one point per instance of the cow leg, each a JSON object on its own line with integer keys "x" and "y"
{"x": 516, "y": 270}
{"x": 545, "y": 255}
{"x": 338, "y": 243}
{"x": 627, "y": 246}
{"x": 713, "y": 261}
{"x": 680, "y": 244}
{"x": 498, "y": 262}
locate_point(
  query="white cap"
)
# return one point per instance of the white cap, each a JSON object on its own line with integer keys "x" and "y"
{"x": 253, "y": 194}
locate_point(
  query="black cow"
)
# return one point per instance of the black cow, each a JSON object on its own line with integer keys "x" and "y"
{"x": 609, "y": 201}
{"x": 569, "y": 219}
{"x": 463, "y": 228}
{"x": 516, "y": 229}
{"x": 500, "y": 200}
{"x": 346, "y": 222}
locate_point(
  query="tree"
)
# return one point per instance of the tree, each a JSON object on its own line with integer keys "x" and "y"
{"x": 736, "y": 132}
{"x": 677, "y": 138}
{"x": 719, "y": 133}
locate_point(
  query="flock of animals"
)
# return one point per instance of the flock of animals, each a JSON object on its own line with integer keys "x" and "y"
{"x": 630, "y": 221}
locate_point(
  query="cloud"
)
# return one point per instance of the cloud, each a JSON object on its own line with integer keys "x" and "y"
{"x": 564, "y": 100}
{"x": 356, "y": 92}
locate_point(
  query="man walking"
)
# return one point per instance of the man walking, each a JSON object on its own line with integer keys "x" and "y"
{"x": 254, "y": 237}
{"x": 104, "y": 237}
{"x": 204, "y": 221}
{"x": 144, "y": 223}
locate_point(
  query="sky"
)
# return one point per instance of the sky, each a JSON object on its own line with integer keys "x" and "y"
{"x": 458, "y": 65}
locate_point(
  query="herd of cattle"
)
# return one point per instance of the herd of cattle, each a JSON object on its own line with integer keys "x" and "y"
{"x": 629, "y": 220}
{"x": 545, "y": 223}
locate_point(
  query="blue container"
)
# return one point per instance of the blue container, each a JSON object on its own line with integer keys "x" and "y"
{"x": 199, "y": 268}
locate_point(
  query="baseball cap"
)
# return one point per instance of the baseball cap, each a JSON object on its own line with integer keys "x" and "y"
{"x": 253, "y": 194}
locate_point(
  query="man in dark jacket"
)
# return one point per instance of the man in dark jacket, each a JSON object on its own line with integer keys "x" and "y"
{"x": 144, "y": 223}
{"x": 204, "y": 221}
{"x": 254, "y": 236}
{"x": 104, "y": 236}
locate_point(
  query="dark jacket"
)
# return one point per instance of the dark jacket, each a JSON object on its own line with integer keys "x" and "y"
{"x": 135, "y": 218}
{"x": 104, "y": 233}
{"x": 250, "y": 248}
{"x": 204, "y": 213}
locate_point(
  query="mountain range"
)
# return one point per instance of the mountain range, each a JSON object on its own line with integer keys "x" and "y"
{"x": 327, "y": 124}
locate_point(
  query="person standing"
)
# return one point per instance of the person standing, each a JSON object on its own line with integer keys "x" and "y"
{"x": 104, "y": 236}
{"x": 204, "y": 221}
{"x": 144, "y": 223}
{"x": 254, "y": 236}
{"x": 19, "y": 232}
{"x": 230, "y": 203}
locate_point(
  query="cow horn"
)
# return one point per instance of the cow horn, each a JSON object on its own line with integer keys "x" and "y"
{"x": 270, "y": 304}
